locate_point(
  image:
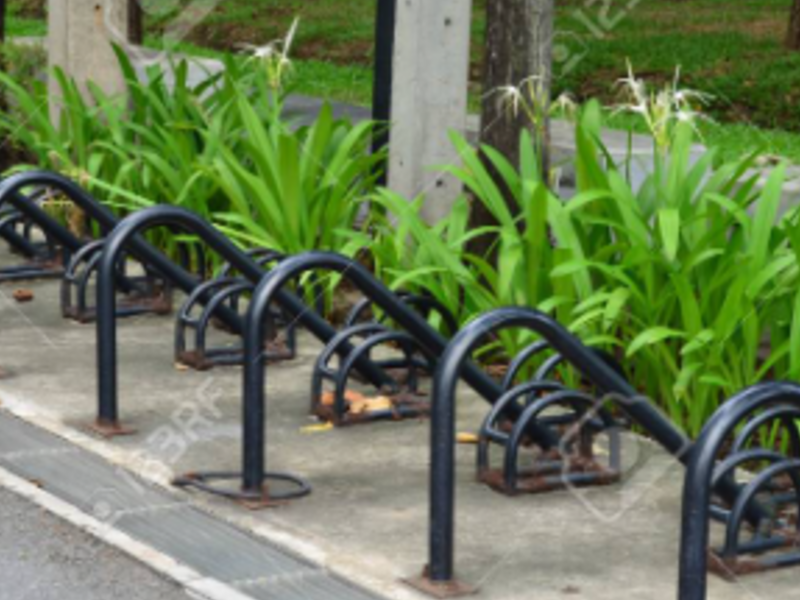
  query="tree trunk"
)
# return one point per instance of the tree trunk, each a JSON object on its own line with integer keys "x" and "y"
{"x": 135, "y": 22}
{"x": 3, "y": 61}
{"x": 793, "y": 37}
{"x": 2, "y": 21}
{"x": 519, "y": 37}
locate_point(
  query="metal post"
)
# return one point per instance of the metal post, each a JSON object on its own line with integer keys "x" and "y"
{"x": 3, "y": 21}
{"x": 382, "y": 86}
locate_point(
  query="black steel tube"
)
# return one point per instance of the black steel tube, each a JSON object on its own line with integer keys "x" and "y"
{"x": 18, "y": 242}
{"x": 125, "y": 236}
{"x": 697, "y": 490}
{"x": 443, "y": 414}
{"x": 136, "y": 22}
{"x": 13, "y": 185}
{"x": 139, "y": 248}
{"x": 55, "y": 230}
{"x": 3, "y": 10}
{"x": 429, "y": 339}
{"x": 385, "y": 22}
{"x": 47, "y": 223}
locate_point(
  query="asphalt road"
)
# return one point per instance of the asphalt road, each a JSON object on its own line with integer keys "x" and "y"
{"x": 45, "y": 558}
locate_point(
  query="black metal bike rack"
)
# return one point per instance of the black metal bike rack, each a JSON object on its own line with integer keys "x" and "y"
{"x": 756, "y": 428}
{"x": 134, "y": 245}
{"x": 126, "y": 237}
{"x": 45, "y": 258}
{"x": 753, "y": 442}
{"x": 149, "y": 294}
{"x": 16, "y": 230}
{"x": 577, "y": 419}
{"x": 573, "y": 464}
{"x": 197, "y": 316}
{"x": 430, "y": 341}
{"x": 438, "y": 578}
{"x": 403, "y": 399}
{"x": 12, "y": 198}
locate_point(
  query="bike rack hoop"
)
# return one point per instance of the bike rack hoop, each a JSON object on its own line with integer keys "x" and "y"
{"x": 146, "y": 294}
{"x": 216, "y": 293}
{"x": 733, "y": 429}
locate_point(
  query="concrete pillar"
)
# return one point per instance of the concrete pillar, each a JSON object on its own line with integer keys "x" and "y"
{"x": 431, "y": 74}
{"x": 80, "y": 33}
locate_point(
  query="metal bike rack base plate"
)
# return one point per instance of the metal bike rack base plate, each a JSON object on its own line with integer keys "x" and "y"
{"x": 741, "y": 566}
{"x": 160, "y": 305}
{"x": 258, "y": 500}
{"x": 110, "y": 430}
{"x": 450, "y": 589}
{"x": 277, "y": 351}
{"x": 550, "y": 478}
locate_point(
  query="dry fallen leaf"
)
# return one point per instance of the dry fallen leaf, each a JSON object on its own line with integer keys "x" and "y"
{"x": 370, "y": 405}
{"x": 316, "y": 428}
{"x": 350, "y": 396}
{"x": 23, "y": 295}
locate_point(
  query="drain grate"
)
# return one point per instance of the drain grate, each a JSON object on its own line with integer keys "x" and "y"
{"x": 164, "y": 521}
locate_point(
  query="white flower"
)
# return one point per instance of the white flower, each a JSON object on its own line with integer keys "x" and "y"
{"x": 635, "y": 87}
{"x": 274, "y": 56}
{"x": 266, "y": 52}
{"x": 662, "y": 110}
{"x": 685, "y": 96}
{"x": 287, "y": 43}
{"x": 509, "y": 96}
{"x": 565, "y": 104}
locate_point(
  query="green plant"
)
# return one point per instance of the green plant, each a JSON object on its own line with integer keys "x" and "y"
{"x": 295, "y": 189}
{"x": 699, "y": 276}
{"x": 168, "y": 138}
{"x": 410, "y": 254}
{"x": 691, "y": 280}
{"x": 24, "y": 62}
{"x": 64, "y": 145}
{"x": 221, "y": 148}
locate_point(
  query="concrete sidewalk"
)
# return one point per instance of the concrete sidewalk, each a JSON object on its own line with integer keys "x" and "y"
{"x": 367, "y": 518}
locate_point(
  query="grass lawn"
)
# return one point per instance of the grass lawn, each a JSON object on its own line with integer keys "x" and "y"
{"x": 728, "y": 48}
